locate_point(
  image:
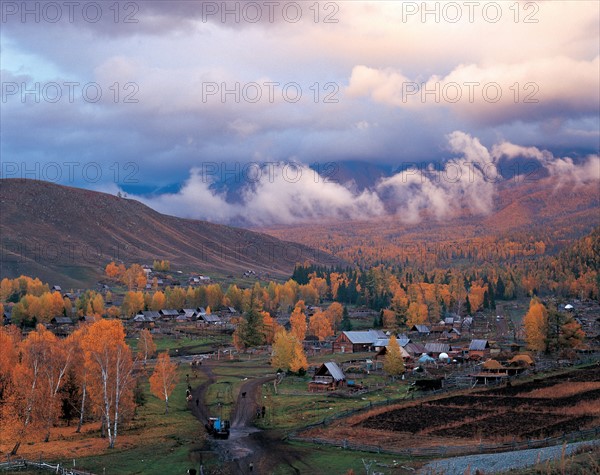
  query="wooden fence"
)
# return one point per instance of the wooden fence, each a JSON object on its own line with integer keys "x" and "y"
{"x": 454, "y": 450}
{"x": 22, "y": 464}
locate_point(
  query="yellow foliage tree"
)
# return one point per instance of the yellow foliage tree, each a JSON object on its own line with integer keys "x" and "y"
{"x": 393, "y": 364}
{"x": 536, "y": 326}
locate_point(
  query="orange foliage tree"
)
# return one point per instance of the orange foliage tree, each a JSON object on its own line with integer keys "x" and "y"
{"x": 320, "y": 326}
{"x": 110, "y": 370}
{"x": 298, "y": 323}
{"x": 164, "y": 378}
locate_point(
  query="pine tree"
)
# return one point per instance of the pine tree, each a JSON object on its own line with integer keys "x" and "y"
{"x": 346, "y": 324}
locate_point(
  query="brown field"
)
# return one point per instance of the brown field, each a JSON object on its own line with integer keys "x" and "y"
{"x": 533, "y": 410}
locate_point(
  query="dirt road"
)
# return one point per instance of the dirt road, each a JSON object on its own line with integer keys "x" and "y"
{"x": 248, "y": 449}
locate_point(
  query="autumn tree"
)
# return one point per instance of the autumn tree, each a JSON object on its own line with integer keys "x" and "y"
{"x": 146, "y": 345}
{"x": 270, "y": 327}
{"x": 334, "y": 313}
{"x": 164, "y": 378}
{"x": 417, "y": 314}
{"x": 283, "y": 350}
{"x": 34, "y": 402}
{"x": 393, "y": 365}
{"x": 80, "y": 369}
{"x": 288, "y": 353}
{"x": 132, "y": 303}
{"x": 114, "y": 271}
{"x": 299, "y": 363}
{"x": 563, "y": 331}
{"x": 110, "y": 370}
{"x": 536, "y": 326}
{"x": 158, "y": 301}
{"x": 298, "y": 323}
{"x": 320, "y": 326}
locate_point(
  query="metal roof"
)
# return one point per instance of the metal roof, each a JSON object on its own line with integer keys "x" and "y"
{"x": 335, "y": 371}
{"x": 437, "y": 347}
{"x": 422, "y": 328}
{"x": 415, "y": 348}
{"x": 478, "y": 345}
{"x": 364, "y": 337}
{"x": 211, "y": 318}
{"x": 381, "y": 342}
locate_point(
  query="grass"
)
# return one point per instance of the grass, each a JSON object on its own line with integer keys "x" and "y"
{"x": 186, "y": 345}
{"x": 585, "y": 461}
{"x": 294, "y": 407}
{"x": 155, "y": 443}
{"x": 337, "y": 461}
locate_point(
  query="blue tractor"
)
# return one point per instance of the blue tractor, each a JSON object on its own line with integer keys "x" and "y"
{"x": 218, "y": 428}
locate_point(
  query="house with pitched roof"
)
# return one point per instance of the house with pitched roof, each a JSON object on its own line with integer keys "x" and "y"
{"x": 356, "y": 341}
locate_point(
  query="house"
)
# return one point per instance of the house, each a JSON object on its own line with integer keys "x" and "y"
{"x": 190, "y": 313}
{"x": 328, "y": 377}
{"x": 210, "y": 319}
{"x": 169, "y": 313}
{"x": 7, "y": 316}
{"x": 193, "y": 281}
{"x": 61, "y": 321}
{"x": 87, "y": 319}
{"x": 355, "y": 341}
{"x": 403, "y": 340}
{"x": 151, "y": 315}
{"x": 56, "y": 288}
{"x": 467, "y": 323}
{"x": 479, "y": 349}
{"x": 200, "y": 311}
{"x": 422, "y": 330}
{"x": 383, "y": 351}
{"x": 415, "y": 349}
{"x": 436, "y": 349}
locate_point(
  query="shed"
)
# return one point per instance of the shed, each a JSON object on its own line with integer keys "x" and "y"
{"x": 328, "y": 377}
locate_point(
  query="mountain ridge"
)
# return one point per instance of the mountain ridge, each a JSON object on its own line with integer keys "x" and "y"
{"x": 67, "y": 235}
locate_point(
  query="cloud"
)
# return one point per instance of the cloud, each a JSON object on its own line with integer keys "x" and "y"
{"x": 563, "y": 168}
{"x": 495, "y": 93}
{"x": 291, "y": 192}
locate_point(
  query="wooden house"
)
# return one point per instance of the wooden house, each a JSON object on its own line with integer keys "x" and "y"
{"x": 421, "y": 330}
{"x": 436, "y": 349}
{"x": 479, "y": 349}
{"x": 356, "y": 341}
{"x": 328, "y": 377}
{"x": 169, "y": 313}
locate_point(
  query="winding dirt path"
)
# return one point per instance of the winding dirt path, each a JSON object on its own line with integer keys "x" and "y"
{"x": 248, "y": 449}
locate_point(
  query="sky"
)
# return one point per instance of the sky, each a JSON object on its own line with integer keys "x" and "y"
{"x": 171, "y": 97}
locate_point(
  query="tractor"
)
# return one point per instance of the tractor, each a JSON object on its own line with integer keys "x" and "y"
{"x": 218, "y": 428}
